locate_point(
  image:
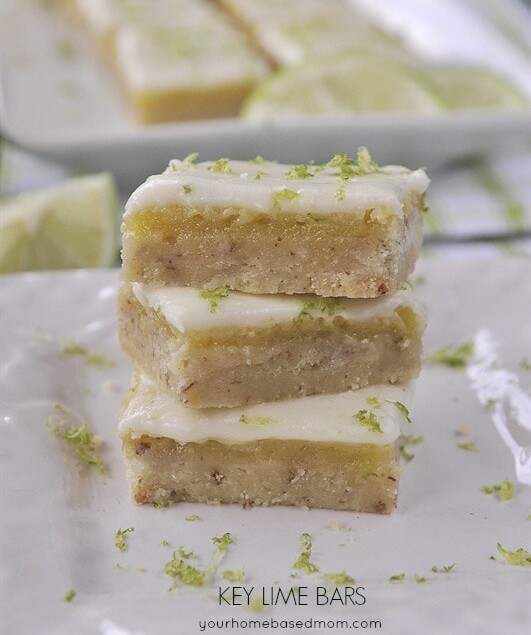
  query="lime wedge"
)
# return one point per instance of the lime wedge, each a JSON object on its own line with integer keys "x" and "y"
{"x": 354, "y": 83}
{"x": 71, "y": 225}
{"x": 473, "y": 88}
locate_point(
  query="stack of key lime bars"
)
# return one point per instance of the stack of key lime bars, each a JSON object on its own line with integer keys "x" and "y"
{"x": 274, "y": 336}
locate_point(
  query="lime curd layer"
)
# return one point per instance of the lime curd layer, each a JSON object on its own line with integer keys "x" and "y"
{"x": 320, "y": 418}
{"x": 188, "y": 309}
{"x": 269, "y": 187}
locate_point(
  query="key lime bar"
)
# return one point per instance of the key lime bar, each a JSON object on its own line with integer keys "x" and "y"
{"x": 177, "y": 59}
{"x": 220, "y": 348}
{"x": 292, "y": 31}
{"x": 333, "y": 451}
{"x": 345, "y": 228}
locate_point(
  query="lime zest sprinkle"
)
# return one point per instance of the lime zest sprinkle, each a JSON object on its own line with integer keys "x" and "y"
{"x": 519, "y": 558}
{"x": 259, "y": 174}
{"x": 444, "y": 569}
{"x": 399, "y": 577}
{"x": 505, "y": 490}
{"x": 303, "y": 562}
{"x": 72, "y": 348}
{"x": 256, "y": 420}
{"x": 119, "y": 538}
{"x": 420, "y": 579}
{"x": 320, "y": 307}
{"x": 367, "y": 419}
{"x": 453, "y": 356}
{"x": 338, "y": 579}
{"x": 81, "y": 438}
{"x": 187, "y": 188}
{"x": 234, "y": 575}
{"x": 402, "y": 409}
{"x": 222, "y": 166}
{"x": 349, "y": 167}
{"x": 164, "y": 543}
{"x": 470, "y": 446}
{"x": 303, "y": 171}
{"x": 214, "y": 297}
{"x": 405, "y": 440}
{"x": 70, "y": 595}
{"x": 285, "y": 194}
{"x": 525, "y": 363}
{"x": 374, "y": 403}
{"x": 163, "y": 504}
{"x": 192, "y": 518}
{"x": 182, "y": 571}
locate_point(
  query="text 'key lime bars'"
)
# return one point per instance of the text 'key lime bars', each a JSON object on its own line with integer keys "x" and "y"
{"x": 215, "y": 257}
{"x": 70, "y": 225}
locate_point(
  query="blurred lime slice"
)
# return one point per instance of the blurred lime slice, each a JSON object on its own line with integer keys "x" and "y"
{"x": 71, "y": 225}
{"x": 473, "y": 88}
{"x": 353, "y": 83}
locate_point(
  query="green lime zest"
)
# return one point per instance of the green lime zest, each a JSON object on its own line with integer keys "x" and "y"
{"x": 119, "y": 538}
{"x": 193, "y": 518}
{"x": 234, "y": 575}
{"x": 444, "y": 569}
{"x": 338, "y": 579}
{"x": 285, "y": 194}
{"x": 374, "y": 403}
{"x": 399, "y": 577}
{"x": 222, "y": 166}
{"x": 367, "y": 419}
{"x": 303, "y": 562}
{"x": 69, "y": 596}
{"x": 320, "y": 307}
{"x": 402, "y": 409}
{"x": 303, "y": 171}
{"x": 518, "y": 558}
{"x": 72, "y": 348}
{"x": 469, "y": 446}
{"x": 182, "y": 571}
{"x": 163, "y": 504}
{"x": 453, "y": 356}
{"x": 214, "y": 297}
{"x": 405, "y": 440}
{"x": 504, "y": 490}
{"x": 80, "y": 437}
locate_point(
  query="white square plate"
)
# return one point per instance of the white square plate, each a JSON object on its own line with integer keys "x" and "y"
{"x": 58, "y": 525}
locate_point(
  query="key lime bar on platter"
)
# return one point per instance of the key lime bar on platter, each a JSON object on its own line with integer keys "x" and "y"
{"x": 177, "y": 59}
{"x": 347, "y": 228}
{"x": 220, "y": 348}
{"x": 292, "y": 31}
{"x": 330, "y": 451}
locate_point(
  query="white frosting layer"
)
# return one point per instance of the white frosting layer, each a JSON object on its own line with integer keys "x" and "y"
{"x": 320, "y": 418}
{"x": 195, "y": 185}
{"x": 186, "y": 310}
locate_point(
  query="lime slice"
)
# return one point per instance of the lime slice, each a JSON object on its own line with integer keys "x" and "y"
{"x": 354, "y": 83}
{"x": 71, "y": 225}
{"x": 472, "y": 88}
